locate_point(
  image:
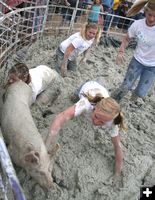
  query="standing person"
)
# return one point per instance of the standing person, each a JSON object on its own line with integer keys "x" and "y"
{"x": 95, "y": 10}
{"x": 39, "y": 15}
{"x": 142, "y": 64}
{"x": 44, "y": 81}
{"x": 68, "y": 12}
{"x": 116, "y": 10}
{"x": 76, "y": 44}
{"x": 100, "y": 109}
{"x": 107, "y": 5}
{"x": 124, "y": 7}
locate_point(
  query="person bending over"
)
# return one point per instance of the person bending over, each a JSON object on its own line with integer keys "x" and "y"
{"x": 44, "y": 81}
{"x": 76, "y": 44}
{"x": 98, "y": 107}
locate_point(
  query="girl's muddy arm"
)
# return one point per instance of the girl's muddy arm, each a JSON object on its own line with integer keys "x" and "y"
{"x": 120, "y": 56}
{"x": 67, "y": 53}
{"x": 118, "y": 154}
{"x": 55, "y": 126}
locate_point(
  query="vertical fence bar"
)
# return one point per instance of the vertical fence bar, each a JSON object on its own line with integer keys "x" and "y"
{"x": 73, "y": 17}
{"x": 45, "y": 17}
{"x": 9, "y": 171}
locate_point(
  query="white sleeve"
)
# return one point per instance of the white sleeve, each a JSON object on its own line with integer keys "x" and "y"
{"x": 82, "y": 106}
{"x": 114, "y": 131}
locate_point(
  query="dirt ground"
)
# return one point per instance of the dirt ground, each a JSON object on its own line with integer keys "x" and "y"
{"x": 84, "y": 166}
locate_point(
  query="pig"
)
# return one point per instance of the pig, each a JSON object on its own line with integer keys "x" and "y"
{"x": 25, "y": 144}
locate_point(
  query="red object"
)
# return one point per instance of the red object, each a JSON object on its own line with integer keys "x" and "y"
{"x": 10, "y": 3}
{"x": 13, "y": 3}
{"x": 100, "y": 20}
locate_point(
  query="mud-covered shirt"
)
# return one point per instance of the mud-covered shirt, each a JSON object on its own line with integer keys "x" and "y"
{"x": 84, "y": 107}
{"x": 78, "y": 42}
{"x": 41, "y": 76}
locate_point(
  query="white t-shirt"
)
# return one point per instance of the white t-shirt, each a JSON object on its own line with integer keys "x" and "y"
{"x": 41, "y": 76}
{"x": 78, "y": 42}
{"x": 145, "y": 50}
{"x": 84, "y": 107}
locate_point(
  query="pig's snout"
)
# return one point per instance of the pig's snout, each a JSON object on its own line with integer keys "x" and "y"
{"x": 44, "y": 179}
{"x": 48, "y": 183}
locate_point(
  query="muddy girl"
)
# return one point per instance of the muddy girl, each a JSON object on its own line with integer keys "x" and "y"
{"x": 100, "y": 109}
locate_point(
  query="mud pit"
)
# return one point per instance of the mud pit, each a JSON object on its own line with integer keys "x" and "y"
{"x": 84, "y": 165}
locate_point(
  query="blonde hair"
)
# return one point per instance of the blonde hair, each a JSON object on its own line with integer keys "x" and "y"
{"x": 119, "y": 120}
{"x": 93, "y": 26}
{"x": 148, "y": 5}
{"x": 110, "y": 106}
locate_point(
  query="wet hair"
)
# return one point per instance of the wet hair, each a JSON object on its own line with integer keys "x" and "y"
{"x": 22, "y": 71}
{"x": 119, "y": 120}
{"x": 93, "y": 26}
{"x": 110, "y": 106}
{"x": 149, "y": 7}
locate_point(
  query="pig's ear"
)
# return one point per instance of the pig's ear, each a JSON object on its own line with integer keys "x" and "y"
{"x": 53, "y": 150}
{"x": 32, "y": 157}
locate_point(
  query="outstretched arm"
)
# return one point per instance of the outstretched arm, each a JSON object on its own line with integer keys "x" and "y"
{"x": 118, "y": 154}
{"x": 121, "y": 52}
{"x": 67, "y": 53}
{"x": 55, "y": 126}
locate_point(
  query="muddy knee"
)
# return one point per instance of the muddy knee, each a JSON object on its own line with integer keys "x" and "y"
{"x": 50, "y": 94}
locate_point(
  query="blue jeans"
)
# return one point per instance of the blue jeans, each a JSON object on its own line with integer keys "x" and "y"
{"x": 107, "y": 20}
{"x": 146, "y": 77}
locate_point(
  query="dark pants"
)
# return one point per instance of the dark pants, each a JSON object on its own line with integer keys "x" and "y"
{"x": 71, "y": 65}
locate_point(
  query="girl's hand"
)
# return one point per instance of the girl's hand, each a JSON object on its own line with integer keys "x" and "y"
{"x": 120, "y": 57}
{"x": 117, "y": 180}
{"x": 82, "y": 61}
{"x": 63, "y": 70}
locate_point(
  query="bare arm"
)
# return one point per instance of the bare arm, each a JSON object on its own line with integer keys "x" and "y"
{"x": 58, "y": 122}
{"x": 121, "y": 52}
{"x": 101, "y": 10}
{"x": 67, "y": 53}
{"x": 118, "y": 154}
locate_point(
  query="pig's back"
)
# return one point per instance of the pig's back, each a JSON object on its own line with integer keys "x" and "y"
{"x": 18, "y": 127}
